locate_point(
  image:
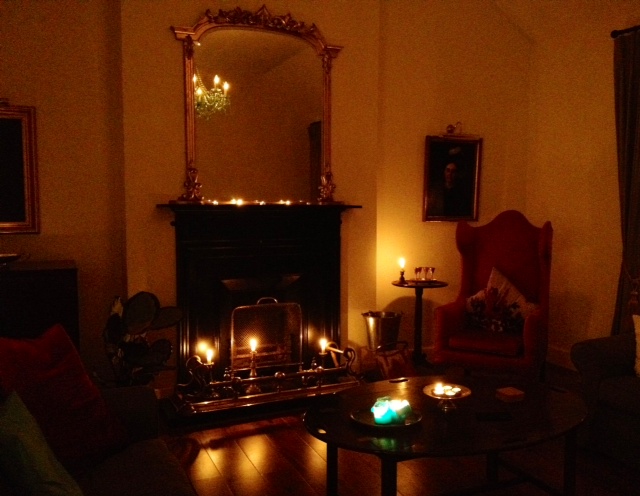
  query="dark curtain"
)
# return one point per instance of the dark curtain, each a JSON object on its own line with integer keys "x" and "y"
{"x": 627, "y": 102}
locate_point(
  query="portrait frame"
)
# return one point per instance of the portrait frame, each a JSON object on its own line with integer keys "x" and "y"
{"x": 19, "y": 203}
{"x": 451, "y": 178}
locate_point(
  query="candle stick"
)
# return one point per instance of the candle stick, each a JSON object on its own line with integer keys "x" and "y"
{"x": 401, "y": 262}
{"x": 253, "y": 388}
{"x": 254, "y": 345}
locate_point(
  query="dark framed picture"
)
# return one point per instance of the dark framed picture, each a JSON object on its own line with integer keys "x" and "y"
{"x": 451, "y": 178}
{"x": 18, "y": 170}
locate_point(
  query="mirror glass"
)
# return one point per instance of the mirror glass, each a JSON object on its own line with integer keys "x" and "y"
{"x": 264, "y": 146}
{"x": 272, "y": 141}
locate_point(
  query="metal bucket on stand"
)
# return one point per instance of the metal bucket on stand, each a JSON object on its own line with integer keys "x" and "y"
{"x": 382, "y": 327}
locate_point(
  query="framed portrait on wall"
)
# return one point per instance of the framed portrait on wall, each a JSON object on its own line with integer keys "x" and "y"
{"x": 451, "y": 178}
{"x": 18, "y": 170}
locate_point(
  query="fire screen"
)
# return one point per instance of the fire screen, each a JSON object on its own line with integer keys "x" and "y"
{"x": 266, "y": 335}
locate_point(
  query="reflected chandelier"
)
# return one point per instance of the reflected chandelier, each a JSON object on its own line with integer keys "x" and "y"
{"x": 208, "y": 102}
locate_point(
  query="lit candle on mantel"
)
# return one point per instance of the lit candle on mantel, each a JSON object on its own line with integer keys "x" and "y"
{"x": 254, "y": 345}
{"x": 323, "y": 345}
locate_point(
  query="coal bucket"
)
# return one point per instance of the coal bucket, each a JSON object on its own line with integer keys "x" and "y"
{"x": 382, "y": 327}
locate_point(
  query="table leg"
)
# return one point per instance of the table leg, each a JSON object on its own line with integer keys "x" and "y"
{"x": 332, "y": 470}
{"x": 570, "y": 455}
{"x": 418, "y": 356}
{"x": 389, "y": 477}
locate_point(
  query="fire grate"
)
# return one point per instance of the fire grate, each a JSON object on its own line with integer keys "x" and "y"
{"x": 276, "y": 329}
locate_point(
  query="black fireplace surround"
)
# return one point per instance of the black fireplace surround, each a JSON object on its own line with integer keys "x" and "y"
{"x": 230, "y": 255}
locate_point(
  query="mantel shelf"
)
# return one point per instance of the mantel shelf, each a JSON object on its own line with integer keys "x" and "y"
{"x": 207, "y": 206}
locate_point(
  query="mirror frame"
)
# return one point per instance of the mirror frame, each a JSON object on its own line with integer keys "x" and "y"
{"x": 25, "y": 169}
{"x": 261, "y": 20}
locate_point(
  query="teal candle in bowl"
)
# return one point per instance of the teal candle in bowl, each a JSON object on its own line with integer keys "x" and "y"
{"x": 387, "y": 411}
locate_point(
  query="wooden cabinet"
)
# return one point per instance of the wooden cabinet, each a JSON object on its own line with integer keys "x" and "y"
{"x": 36, "y": 295}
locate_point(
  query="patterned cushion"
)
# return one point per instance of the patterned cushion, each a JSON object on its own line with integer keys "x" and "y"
{"x": 500, "y": 307}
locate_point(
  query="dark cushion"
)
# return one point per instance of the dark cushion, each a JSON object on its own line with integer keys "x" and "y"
{"x": 27, "y": 463}
{"x": 481, "y": 341}
{"x": 49, "y": 376}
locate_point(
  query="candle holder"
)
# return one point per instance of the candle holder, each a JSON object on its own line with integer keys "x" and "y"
{"x": 387, "y": 412}
{"x": 253, "y": 388}
{"x": 446, "y": 394}
{"x": 402, "y": 280}
{"x": 201, "y": 375}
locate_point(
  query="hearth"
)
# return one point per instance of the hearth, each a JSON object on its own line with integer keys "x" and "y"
{"x": 229, "y": 256}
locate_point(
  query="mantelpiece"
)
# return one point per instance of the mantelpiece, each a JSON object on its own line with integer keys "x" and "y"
{"x": 230, "y": 255}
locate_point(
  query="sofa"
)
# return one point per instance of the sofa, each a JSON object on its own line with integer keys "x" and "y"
{"x": 611, "y": 390}
{"x": 62, "y": 435}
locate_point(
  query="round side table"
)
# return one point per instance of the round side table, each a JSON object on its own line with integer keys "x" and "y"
{"x": 419, "y": 286}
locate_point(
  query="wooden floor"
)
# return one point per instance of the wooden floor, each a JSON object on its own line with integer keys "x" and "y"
{"x": 278, "y": 457}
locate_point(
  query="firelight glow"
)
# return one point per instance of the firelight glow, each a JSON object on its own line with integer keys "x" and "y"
{"x": 254, "y": 344}
{"x": 323, "y": 345}
{"x": 401, "y": 262}
{"x": 209, "y": 355}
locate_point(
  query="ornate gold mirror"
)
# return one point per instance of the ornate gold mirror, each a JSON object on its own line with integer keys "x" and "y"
{"x": 257, "y": 108}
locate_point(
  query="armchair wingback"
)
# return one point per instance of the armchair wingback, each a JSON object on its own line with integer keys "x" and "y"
{"x": 521, "y": 253}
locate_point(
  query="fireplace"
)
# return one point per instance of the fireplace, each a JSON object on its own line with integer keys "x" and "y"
{"x": 228, "y": 256}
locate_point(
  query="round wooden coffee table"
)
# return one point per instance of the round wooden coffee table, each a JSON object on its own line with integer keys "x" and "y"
{"x": 480, "y": 424}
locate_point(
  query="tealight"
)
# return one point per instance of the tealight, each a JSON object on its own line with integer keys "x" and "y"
{"x": 388, "y": 411}
{"x": 445, "y": 390}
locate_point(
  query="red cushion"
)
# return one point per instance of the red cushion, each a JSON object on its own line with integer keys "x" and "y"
{"x": 49, "y": 376}
{"x": 504, "y": 344}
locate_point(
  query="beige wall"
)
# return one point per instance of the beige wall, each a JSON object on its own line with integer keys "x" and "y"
{"x": 64, "y": 59}
{"x": 111, "y": 140}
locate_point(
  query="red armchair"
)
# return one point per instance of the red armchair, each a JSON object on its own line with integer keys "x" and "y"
{"x": 508, "y": 246}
